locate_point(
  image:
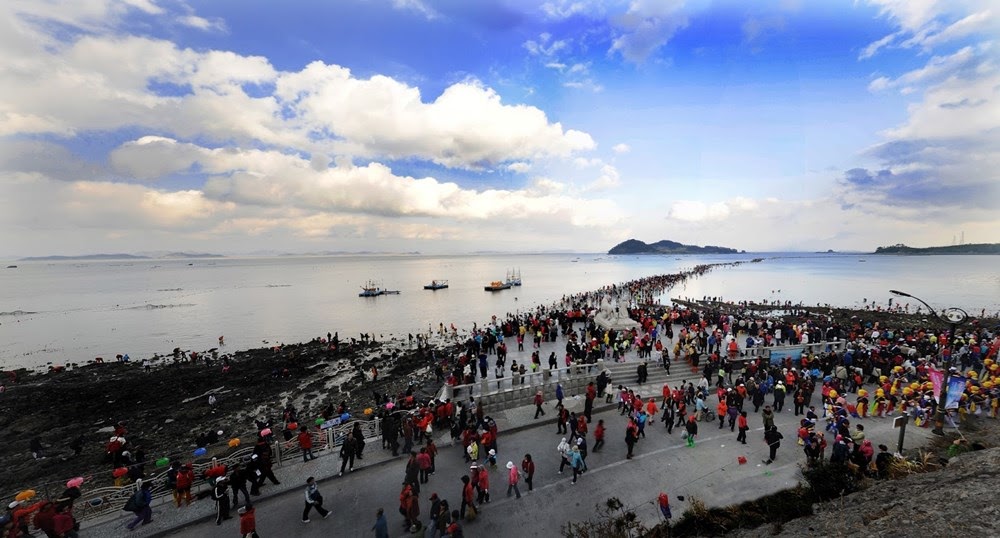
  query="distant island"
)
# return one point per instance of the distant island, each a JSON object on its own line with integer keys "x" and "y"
{"x": 104, "y": 257}
{"x": 634, "y": 246}
{"x": 972, "y": 248}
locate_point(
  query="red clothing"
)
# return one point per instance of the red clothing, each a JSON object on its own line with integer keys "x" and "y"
{"x": 305, "y": 440}
{"x": 248, "y": 522}
{"x": 185, "y": 477}
{"x": 468, "y": 494}
{"x": 598, "y": 433}
{"x": 424, "y": 461}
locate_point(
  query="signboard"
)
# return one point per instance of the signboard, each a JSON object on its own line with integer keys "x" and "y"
{"x": 778, "y": 356}
{"x": 899, "y": 421}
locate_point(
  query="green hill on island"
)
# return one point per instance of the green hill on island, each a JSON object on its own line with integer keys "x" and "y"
{"x": 634, "y": 246}
{"x": 972, "y": 248}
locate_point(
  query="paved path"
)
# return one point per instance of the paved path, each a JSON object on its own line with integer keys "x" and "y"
{"x": 709, "y": 472}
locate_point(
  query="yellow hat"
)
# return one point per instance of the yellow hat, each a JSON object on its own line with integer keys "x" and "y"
{"x": 862, "y": 392}
{"x": 833, "y": 394}
{"x": 880, "y": 393}
{"x": 907, "y": 391}
{"x": 882, "y": 379}
{"x": 915, "y": 386}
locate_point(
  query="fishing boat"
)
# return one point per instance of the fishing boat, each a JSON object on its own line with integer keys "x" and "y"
{"x": 514, "y": 277}
{"x": 436, "y": 285}
{"x": 371, "y": 289}
{"x": 497, "y": 285}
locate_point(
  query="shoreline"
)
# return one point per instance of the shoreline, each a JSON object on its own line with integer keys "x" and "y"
{"x": 111, "y": 392}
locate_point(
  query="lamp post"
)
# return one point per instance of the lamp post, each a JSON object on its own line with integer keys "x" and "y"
{"x": 953, "y": 317}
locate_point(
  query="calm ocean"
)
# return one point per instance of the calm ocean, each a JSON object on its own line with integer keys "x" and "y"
{"x": 74, "y": 311}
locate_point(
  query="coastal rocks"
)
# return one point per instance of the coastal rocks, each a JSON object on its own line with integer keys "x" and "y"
{"x": 167, "y": 408}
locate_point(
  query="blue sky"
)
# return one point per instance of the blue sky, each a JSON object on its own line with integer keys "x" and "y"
{"x": 444, "y": 126}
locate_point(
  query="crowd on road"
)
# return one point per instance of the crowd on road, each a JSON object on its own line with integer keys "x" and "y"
{"x": 882, "y": 372}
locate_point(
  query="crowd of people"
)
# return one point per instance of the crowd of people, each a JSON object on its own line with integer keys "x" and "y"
{"x": 883, "y": 371}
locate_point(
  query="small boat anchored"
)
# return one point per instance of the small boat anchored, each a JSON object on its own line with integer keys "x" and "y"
{"x": 371, "y": 289}
{"x": 514, "y": 277}
{"x": 497, "y": 285}
{"x": 436, "y": 285}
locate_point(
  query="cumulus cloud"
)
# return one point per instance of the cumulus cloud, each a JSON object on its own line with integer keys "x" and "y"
{"x": 621, "y": 148}
{"x": 609, "y": 179}
{"x": 940, "y": 165}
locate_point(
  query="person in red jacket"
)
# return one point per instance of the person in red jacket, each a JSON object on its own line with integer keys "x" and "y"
{"x": 741, "y": 422}
{"x": 468, "y": 495}
{"x": 306, "y": 444}
{"x": 248, "y": 522}
{"x": 182, "y": 491}
{"x": 528, "y": 467}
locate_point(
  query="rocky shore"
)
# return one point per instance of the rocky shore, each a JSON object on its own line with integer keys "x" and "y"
{"x": 166, "y": 408}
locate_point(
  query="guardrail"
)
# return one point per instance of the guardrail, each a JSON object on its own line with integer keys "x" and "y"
{"x": 102, "y": 501}
{"x": 490, "y": 387}
{"x": 773, "y": 353}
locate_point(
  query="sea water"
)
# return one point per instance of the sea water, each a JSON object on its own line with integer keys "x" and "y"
{"x": 63, "y": 312}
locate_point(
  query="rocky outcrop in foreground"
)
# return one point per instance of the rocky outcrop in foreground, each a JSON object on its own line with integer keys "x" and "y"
{"x": 955, "y": 501}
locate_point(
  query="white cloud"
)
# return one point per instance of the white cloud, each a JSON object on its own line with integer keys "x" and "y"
{"x": 545, "y": 46}
{"x": 609, "y": 179}
{"x": 937, "y": 69}
{"x": 519, "y": 167}
{"x": 621, "y": 148}
{"x": 926, "y": 24}
{"x": 418, "y": 6}
{"x": 646, "y": 27}
{"x": 201, "y": 23}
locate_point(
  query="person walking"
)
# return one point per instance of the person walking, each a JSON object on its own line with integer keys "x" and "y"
{"x": 248, "y": 522}
{"x": 538, "y": 404}
{"x": 599, "y": 435}
{"x": 139, "y": 504}
{"x": 773, "y": 439}
{"x": 238, "y": 482}
{"x": 381, "y": 526}
{"x": 468, "y": 498}
{"x": 743, "y": 426}
{"x": 691, "y": 429}
{"x": 513, "y": 475}
{"x": 576, "y": 461}
{"x": 528, "y": 467}
{"x": 631, "y": 437}
{"x": 220, "y": 494}
{"x": 347, "y": 451}
{"x": 313, "y": 500}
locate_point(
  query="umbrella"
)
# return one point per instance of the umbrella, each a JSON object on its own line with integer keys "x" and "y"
{"x": 119, "y": 472}
{"x": 201, "y": 451}
{"x": 25, "y": 495}
{"x": 74, "y": 482}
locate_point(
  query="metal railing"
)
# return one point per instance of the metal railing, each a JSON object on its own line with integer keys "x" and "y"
{"x": 489, "y": 387}
{"x": 105, "y": 500}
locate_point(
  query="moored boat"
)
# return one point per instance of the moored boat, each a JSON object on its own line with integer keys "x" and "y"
{"x": 436, "y": 285}
{"x": 371, "y": 289}
{"x": 497, "y": 285}
{"x": 514, "y": 277}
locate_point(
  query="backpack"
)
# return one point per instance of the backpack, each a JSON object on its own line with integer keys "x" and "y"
{"x": 135, "y": 502}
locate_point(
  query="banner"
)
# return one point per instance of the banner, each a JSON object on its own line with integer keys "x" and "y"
{"x": 956, "y": 386}
{"x": 937, "y": 379}
{"x": 778, "y": 356}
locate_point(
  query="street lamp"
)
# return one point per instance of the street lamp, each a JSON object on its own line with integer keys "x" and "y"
{"x": 953, "y": 317}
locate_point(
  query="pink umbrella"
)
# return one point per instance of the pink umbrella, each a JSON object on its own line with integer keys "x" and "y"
{"x": 75, "y": 482}
{"x": 390, "y": 405}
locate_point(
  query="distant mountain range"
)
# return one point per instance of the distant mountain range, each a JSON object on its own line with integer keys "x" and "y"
{"x": 634, "y": 246}
{"x": 973, "y": 248}
{"x": 102, "y": 257}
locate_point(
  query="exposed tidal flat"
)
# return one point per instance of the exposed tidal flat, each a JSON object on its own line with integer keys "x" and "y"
{"x": 71, "y": 312}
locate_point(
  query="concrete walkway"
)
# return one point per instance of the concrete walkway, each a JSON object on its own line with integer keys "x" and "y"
{"x": 709, "y": 472}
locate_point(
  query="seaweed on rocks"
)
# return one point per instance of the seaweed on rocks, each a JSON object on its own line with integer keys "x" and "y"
{"x": 166, "y": 408}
